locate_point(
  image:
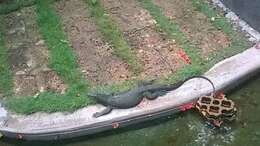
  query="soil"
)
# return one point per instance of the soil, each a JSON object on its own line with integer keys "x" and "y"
{"x": 94, "y": 54}
{"x": 28, "y": 55}
{"x": 157, "y": 53}
{"x": 194, "y": 24}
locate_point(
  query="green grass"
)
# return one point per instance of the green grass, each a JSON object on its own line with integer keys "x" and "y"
{"x": 74, "y": 98}
{"x": 112, "y": 34}
{"x": 238, "y": 41}
{"x": 172, "y": 29}
{"x": 5, "y": 73}
{"x": 65, "y": 64}
{"x": 12, "y": 5}
{"x": 199, "y": 65}
{"x": 63, "y": 61}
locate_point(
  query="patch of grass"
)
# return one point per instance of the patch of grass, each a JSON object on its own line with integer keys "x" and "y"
{"x": 112, "y": 34}
{"x": 5, "y": 73}
{"x": 65, "y": 64}
{"x": 199, "y": 65}
{"x": 183, "y": 73}
{"x": 173, "y": 30}
{"x": 63, "y": 61}
{"x": 12, "y": 5}
{"x": 238, "y": 40}
{"x": 75, "y": 98}
{"x": 115, "y": 88}
{"x": 62, "y": 58}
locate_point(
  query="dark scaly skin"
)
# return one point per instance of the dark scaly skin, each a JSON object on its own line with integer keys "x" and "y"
{"x": 134, "y": 96}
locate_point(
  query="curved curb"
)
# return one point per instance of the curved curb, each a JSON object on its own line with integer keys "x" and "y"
{"x": 42, "y": 126}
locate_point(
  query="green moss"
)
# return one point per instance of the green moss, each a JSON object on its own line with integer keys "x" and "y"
{"x": 5, "y": 73}
{"x": 112, "y": 34}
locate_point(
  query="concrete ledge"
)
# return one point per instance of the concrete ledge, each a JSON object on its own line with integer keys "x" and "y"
{"x": 42, "y": 126}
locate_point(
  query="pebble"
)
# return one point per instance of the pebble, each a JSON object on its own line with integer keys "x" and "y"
{"x": 63, "y": 91}
{"x": 20, "y": 72}
{"x": 41, "y": 89}
{"x": 40, "y": 42}
{"x": 46, "y": 69}
{"x": 36, "y": 95}
{"x": 29, "y": 63}
{"x": 12, "y": 31}
{"x": 141, "y": 51}
{"x": 257, "y": 45}
{"x": 122, "y": 76}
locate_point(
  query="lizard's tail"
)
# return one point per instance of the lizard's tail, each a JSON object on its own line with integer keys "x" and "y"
{"x": 180, "y": 83}
{"x": 205, "y": 78}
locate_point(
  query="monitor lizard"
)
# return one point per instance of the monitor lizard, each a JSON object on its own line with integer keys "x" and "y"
{"x": 133, "y": 97}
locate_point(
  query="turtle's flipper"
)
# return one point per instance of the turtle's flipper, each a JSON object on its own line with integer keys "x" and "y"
{"x": 104, "y": 112}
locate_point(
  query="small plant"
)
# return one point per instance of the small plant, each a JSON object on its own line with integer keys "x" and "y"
{"x": 94, "y": 2}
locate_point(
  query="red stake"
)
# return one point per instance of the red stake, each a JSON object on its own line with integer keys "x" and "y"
{"x": 115, "y": 125}
{"x": 184, "y": 56}
{"x": 19, "y": 136}
{"x": 187, "y": 106}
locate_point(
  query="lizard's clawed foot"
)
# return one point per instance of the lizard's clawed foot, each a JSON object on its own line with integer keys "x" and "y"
{"x": 104, "y": 112}
{"x": 97, "y": 114}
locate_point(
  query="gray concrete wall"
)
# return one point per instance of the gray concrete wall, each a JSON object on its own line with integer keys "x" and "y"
{"x": 248, "y": 10}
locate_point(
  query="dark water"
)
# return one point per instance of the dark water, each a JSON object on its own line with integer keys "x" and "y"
{"x": 248, "y": 10}
{"x": 186, "y": 129}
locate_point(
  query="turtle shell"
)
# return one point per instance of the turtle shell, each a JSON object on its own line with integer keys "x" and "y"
{"x": 216, "y": 109}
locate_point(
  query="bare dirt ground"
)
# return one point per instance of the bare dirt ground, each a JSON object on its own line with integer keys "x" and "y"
{"x": 94, "y": 54}
{"x": 157, "y": 53}
{"x": 194, "y": 24}
{"x": 28, "y": 55}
